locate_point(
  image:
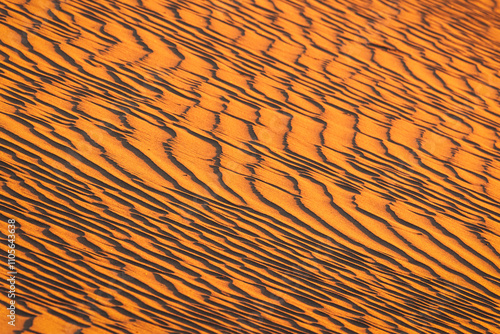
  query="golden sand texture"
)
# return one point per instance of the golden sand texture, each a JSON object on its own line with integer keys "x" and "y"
{"x": 253, "y": 166}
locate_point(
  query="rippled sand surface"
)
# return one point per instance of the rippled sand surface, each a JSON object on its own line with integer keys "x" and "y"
{"x": 253, "y": 166}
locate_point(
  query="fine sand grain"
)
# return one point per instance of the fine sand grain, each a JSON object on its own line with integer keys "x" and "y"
{"x": 252, "y": 166}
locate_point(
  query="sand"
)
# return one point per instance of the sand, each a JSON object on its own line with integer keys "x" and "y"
{"x": 253, "y": 166}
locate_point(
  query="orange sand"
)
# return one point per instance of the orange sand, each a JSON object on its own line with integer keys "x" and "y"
{"x": 284, "y": 166}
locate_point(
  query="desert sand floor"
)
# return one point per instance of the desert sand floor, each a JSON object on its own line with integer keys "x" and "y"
{"x": 253, "y": 166}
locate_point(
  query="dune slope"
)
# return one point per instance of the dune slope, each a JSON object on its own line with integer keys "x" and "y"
{"x": 253, "y": 166}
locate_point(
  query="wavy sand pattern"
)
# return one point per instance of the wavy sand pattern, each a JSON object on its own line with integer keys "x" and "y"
{"x": 253, "y": 166}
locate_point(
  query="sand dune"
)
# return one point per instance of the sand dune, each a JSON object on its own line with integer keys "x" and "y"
{"x": 253, "y": 166}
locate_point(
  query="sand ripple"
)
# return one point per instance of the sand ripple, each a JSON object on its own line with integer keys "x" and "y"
{"x": 253, "y": 166}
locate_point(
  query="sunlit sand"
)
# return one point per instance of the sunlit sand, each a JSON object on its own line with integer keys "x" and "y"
{"x": 251, "y": 166}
